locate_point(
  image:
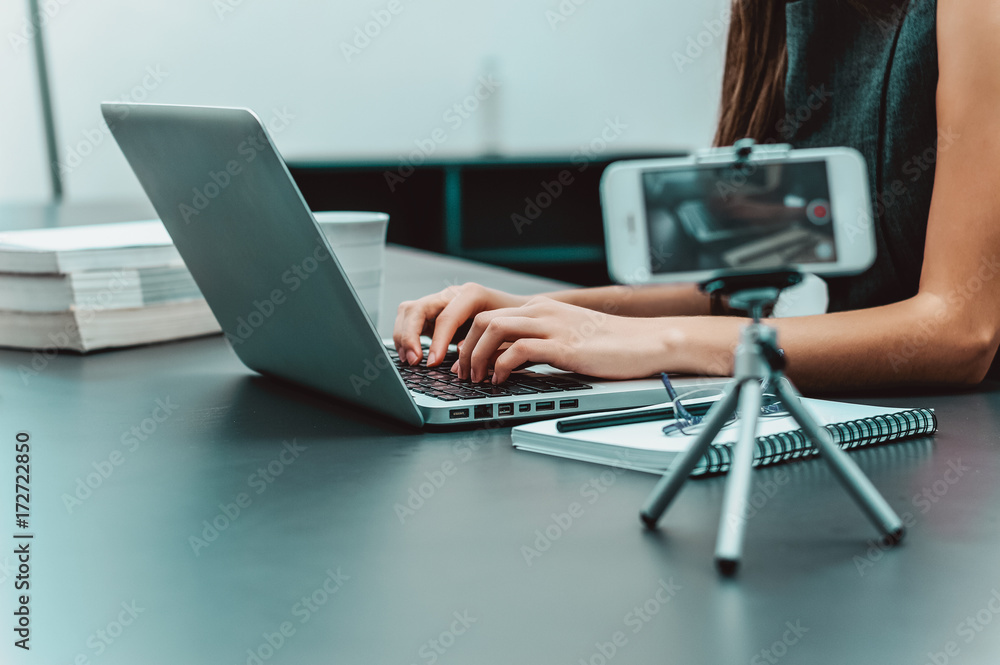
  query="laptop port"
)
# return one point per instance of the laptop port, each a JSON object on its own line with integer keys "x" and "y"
{"x": 569, "y": 404}
{"x": 545, "y": 406}
{"x": 505, "y": 410}
{"x": 455, "y": 414}
{"x": 484, "y": 411}
{"x": 524, "y": 408}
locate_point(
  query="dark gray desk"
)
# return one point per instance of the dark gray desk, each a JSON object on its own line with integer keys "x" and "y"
{"x": 449, "y": 582}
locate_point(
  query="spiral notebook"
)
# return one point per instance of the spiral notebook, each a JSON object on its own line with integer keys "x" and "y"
{"x": 644, "y": 446}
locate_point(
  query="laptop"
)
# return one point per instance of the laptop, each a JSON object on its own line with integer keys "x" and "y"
{"x": 252, "y": 245}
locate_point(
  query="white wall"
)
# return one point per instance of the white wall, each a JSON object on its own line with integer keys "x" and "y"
{"x": 560, "y": 80}
{"x": 23, "y": 161}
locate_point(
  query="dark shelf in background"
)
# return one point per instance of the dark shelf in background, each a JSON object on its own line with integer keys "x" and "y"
{"x": 537, "y": 215}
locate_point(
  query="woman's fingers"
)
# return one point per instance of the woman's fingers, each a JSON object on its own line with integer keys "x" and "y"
{"x": 441, "y": 315}
{"x": 464, "y": 304}
{"x": 479, "y": 325}
{"x": 491, "y": 329}
{"x": 525, "y": 350}
{"x": 412, "y": 318}
{"x": 501, "y": 329}
{"x": 561, "y": 335}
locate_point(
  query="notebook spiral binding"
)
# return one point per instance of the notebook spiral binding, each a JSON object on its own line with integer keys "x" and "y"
{"x": 788, "y": 446}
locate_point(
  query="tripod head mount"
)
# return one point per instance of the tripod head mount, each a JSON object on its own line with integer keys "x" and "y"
{"x": 752, "y": 292}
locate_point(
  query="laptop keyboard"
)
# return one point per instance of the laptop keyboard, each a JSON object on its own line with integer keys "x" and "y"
{"x": 439, "y": 382}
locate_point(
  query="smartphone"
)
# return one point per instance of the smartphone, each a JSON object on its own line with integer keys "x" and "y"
{"x": 714, "y": 213}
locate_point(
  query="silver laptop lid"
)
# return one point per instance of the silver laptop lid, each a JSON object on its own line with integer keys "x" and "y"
{"x": 263, "y": 264}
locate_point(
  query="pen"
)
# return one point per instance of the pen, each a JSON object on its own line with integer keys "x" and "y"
{"x": 629, "y": 417}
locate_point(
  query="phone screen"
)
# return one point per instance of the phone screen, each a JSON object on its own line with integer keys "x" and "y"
{"x": 749, "y": 217}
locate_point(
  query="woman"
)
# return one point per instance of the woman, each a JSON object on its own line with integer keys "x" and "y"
{"x": 915, "y": 86}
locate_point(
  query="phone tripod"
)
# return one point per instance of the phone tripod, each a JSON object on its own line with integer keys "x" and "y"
{"x": 758, "y": 358}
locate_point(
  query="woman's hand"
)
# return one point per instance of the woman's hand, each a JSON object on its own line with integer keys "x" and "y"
{"x": 564, "y": 336}
{"x": 440, "y": 315}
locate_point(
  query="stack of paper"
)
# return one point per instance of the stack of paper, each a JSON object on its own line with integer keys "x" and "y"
{"x": 84, "y": 288}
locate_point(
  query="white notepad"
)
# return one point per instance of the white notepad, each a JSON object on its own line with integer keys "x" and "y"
{"x": 644, "y": 446}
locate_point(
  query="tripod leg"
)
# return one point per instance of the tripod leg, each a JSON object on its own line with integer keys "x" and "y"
{"x": 729, "y": 544}
{"x": 671, "y": 482}
{"x": 844, "y": 468}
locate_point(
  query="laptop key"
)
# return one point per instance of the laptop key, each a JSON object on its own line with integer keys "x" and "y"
{"x": 521, "y": 390}
{"x": 545, "y": 388}
{"x": 494, "y": 391}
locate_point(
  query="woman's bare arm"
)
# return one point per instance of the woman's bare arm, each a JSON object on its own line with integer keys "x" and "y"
{"x": 652, "y": 300}
{"x": 951, "y": 329}
{"x": 947, "y": 333}
{"x": 441, "y": 314}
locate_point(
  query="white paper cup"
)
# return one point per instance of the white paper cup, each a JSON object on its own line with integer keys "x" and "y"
{"x": 358, "y": 240}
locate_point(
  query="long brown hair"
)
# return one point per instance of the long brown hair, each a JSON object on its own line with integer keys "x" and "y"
{"x": 753, "y": 82}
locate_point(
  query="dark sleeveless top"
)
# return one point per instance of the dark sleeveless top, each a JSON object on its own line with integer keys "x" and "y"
{"x": 870, "y": 83}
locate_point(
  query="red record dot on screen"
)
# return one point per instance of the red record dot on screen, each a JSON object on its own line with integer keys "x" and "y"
{"x": 818, "y": 212}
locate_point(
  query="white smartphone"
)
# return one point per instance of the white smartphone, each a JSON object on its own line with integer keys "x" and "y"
{"x": 713, "y": 214}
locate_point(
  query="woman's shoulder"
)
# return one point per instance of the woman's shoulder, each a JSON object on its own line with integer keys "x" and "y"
{"x": 966, "y": 36}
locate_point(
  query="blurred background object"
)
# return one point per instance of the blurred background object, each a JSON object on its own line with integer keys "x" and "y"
{"x": 507, "y": 94}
